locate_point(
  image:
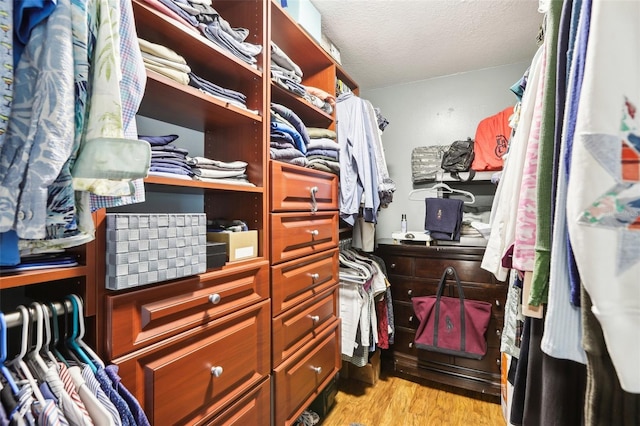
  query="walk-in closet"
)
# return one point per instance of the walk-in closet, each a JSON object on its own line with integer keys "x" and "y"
{"x": 319, "y": 212}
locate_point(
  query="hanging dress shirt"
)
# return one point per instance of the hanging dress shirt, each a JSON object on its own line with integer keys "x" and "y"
{"x": 39, "y": 137}
{"x": 98, "y": 412}
{"x": 137, "y": 411}
{"x": 94, "y": 387}
{"x": 358, "y": 173}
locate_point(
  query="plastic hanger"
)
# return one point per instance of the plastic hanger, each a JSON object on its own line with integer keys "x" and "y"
{"x": 3, "y": 356}
{"x": 55, "y": 341}
{"x": 79, "y": 306}
{"x": 73, "y": 340}
{"x": 46, "y": 345}
{"x": 34, "y": 353}
{"x": 18, "y": 361}
{"x": 441, "y": 186}
{"x": 67, "y": 336}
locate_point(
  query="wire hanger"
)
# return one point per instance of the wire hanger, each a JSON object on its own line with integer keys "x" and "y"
{"x": 441, "y": 186}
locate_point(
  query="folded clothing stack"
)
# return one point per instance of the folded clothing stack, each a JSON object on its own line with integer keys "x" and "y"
{"x": 167, "y": 159}
{"x": 201, "y": 15}
{"x": 215, "y": 171}
{"x": 323, "y": 150}
{"x": 165, "y": 61}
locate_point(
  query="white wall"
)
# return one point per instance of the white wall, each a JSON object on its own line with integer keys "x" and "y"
{"x": 429, "y": 112}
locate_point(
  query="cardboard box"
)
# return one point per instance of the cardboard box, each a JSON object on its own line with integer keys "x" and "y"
{"x": 240, "y": 245}
{"x": 370, "y": 373}
{"x": 330, "y": 48}
{"x": 306, "y": 15}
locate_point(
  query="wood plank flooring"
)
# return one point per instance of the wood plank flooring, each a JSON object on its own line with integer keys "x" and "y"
{"x": 399, "y": 402}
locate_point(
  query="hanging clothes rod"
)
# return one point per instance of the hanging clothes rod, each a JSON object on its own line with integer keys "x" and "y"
{"x": 14, "y": 319}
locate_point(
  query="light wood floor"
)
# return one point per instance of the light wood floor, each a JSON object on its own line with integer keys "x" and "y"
{"x": 398, "y": 402}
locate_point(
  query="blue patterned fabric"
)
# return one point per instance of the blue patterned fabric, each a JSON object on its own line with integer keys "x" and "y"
{"x": 123, "y": 409}
{"x": 132, "y": 402}
{"x": 39, "y": 138}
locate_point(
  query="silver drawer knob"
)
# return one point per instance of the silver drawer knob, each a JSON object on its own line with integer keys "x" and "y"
{"x": 318, "y": 370}
{"x": 393, "y": 266}
{"x": 315, "y": 277}
{"x": 411, "y": 318}
{"x": 497, "y": 361}
{"x": 409, "y": 292}
{"x": 497, "y": 303}
{"x": 410, "y": 345}
{"x": 314, "y": 232}
{"x": 498, "y": 332}
{"x": 214, "y": 298}
{"x": 216, "y": 371}
{"x": 315, "y": 318}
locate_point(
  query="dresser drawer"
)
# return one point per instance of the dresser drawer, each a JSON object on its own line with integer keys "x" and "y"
{"x": 294, "y": 235}
{"x": 489, "y": 365}
{"x": 494, "y": 294}
{"x": 299, "y": 280}
{"x": 194, "y": 375}
{"x": 467, "y": 270}
{"x": 399, "y": 265}
{"x": 253, "y": 409}
{"x": 297, "y": 326}
{"x": 143, "y": 317}
{"x": 403, "y": 289}
{"x": 403, "y": 344}
{"x": 304, "y": 375}
{"x": 295, "y": 188}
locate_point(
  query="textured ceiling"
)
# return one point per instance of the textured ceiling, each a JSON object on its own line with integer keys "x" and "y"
{"x": 388, "y": 42}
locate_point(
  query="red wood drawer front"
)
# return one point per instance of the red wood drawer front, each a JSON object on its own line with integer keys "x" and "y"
{"x": 253, "y": 409}
{"x": 143, "y": 317}
{"x": 176, "y": 379}
{"x": 299, "y": 280}
{"x": 294, "y": 235}
{"x": 293, "y": 329}
{"x": 292, "y": 188}
{"x": 399, "y": 265}
{"x": 299, "y": 379}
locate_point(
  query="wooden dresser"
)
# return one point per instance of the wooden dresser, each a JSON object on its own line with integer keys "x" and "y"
{"x": 304, "y": 283}
{"x": 189, "y": 348}
{"x": 416, "y": 271}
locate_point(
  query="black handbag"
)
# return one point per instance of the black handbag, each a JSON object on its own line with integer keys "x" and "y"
{"x": 458, "y": 158}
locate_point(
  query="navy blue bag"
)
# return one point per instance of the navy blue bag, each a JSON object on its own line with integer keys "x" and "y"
{"x": 443, "y": 218}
